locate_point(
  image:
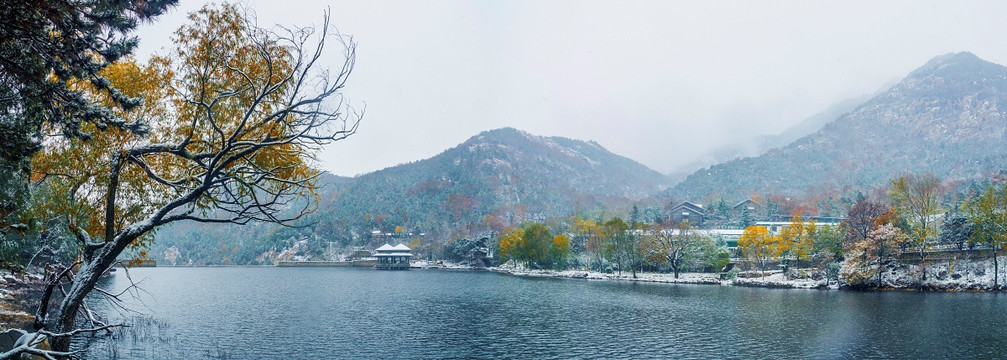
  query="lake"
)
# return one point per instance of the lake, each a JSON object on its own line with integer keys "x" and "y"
{"x": 265, "y": 312}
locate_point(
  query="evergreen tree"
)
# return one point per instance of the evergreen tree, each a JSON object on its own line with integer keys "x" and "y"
{"x": 45, "y": 47}
{"x": 772, "y": 210}
{"x": 956, "y": 230}
{"x": 724, "y": 211}
{"x": 745, "y": 219}
{"x": 634, "y": 217}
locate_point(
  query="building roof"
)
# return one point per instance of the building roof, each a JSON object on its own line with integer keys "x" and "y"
{"x": 406, "y": 254}
{"x": 725, "y": 232}
{"x": 693, "y": 206}
{"x": 397, "y": 250}
{"x": 745, "y": 201}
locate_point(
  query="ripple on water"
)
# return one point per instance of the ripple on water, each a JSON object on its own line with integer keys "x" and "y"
{"x": 362, "y": 313}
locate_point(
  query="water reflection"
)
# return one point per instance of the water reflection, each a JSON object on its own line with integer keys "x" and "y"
{"x": 357, "y": 313}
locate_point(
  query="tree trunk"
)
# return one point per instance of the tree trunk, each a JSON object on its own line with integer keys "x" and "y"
{"x": 84, "y": 282}
{"x": 43, "y": 307}
{"x": 996, "y": 271}
{"x": 880, "y": 267}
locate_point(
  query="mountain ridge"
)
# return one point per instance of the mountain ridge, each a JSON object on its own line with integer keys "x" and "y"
{"x": 764, "y": 143}
{"x": 494, "y": 179}
{"x": 942, "y": 118}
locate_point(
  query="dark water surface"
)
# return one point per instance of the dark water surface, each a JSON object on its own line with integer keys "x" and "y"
{"x": 322, "y": 313}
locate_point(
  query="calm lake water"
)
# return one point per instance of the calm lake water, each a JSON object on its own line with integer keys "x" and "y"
{"x": 263, "y": 312}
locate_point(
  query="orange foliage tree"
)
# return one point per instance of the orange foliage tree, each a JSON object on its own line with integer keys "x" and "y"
{"x": 511, "y": 244}
{"x": 759, "y": 246}
{"x": 588, "y": 234}
{"x": 534, "y": 246}
{"x": 233, "y": 116}
{"x": 797, "y": 239}
{"x": 559, "y": 251}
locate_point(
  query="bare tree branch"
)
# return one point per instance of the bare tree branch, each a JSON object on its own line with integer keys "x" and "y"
{"x": 247, "y": 110}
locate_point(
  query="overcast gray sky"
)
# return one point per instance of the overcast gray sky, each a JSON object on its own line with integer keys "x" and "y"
{"x": 661, "y": 82}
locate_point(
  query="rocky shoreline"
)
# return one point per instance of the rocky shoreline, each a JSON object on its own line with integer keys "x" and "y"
{"x": 775, "y": 281}
{"x": 18, "y": 300}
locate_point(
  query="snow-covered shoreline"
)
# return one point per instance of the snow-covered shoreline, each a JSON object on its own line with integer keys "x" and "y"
{"x": 898, "y": 278}
{"x": 775, "y": 280}
{"x": 956, "y": 275}
{"x": 684, "y": 278}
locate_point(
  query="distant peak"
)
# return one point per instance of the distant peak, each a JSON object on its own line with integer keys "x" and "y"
{"x": 506, "y": 135}
{"x": 957, "y": 56}
{"x": 966, "y": 55}
{"x": 503, "y": 131}
{"x": 963, "y": 56}
{"x": 954, "y": 62}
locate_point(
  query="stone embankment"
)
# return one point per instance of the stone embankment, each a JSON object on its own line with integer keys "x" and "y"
{"x": 18, "y": 297}
{"x": 897, "y": 278}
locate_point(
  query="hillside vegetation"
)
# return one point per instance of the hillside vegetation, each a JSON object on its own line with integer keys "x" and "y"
{"x": 496, "y": 179}
{"x": 943, "y": 118}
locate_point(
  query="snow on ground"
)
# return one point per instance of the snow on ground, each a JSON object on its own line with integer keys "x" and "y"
{"x": 447, "y": 265}
{"x": 777, "y": 280}
{"x": 684, "y": 278}
{"x": 953, "y": 275}
{"x": 957, "y": 275}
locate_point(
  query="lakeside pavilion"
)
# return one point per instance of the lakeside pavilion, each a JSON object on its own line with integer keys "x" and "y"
{"x": 393, "y": 257}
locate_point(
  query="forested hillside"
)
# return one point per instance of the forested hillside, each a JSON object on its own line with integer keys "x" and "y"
{"x": 943, "y": 118}
{"x": 495, "y": 179}
{"x": 762, "y": 144}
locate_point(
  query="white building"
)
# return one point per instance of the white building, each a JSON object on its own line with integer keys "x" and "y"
{"x": 393, "y": 257}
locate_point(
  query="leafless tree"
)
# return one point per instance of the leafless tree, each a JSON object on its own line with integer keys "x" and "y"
{"x": 676, "y": 243}
{"x": 237, "y": 151}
